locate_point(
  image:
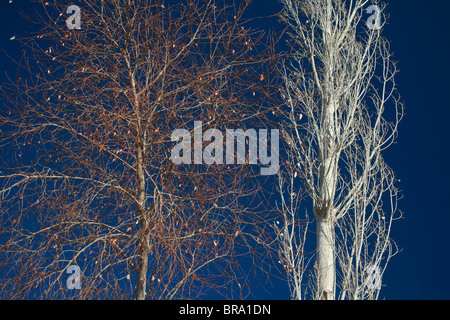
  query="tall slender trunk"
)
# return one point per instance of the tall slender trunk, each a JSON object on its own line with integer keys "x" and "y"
{"x": 143, "y": 220}
{"x": 324, "y": 207}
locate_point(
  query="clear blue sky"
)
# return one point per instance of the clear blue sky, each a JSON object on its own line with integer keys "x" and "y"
{"x": 420, "y": 37}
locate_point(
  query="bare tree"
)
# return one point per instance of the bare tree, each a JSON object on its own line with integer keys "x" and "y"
{"x": 86, "y": 174}
{"x": 340, "y": 92}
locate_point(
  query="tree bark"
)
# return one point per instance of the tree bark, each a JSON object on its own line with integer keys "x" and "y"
{"x": 324, "y": 207}
{"x": 144, "y": 243}
{"x": 325, "y": 261}
{"x": 142, "y": 275}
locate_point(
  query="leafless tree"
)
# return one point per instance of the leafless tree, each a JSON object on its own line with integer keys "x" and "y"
{"x": 86, "y": 175}
{"x": 340, "y": 93}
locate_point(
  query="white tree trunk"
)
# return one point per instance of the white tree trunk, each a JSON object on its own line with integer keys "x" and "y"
{"x": 325, "y": 260}
{"x": 324, "y": 207}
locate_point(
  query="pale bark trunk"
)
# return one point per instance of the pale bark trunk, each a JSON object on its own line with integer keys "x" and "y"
{"x": 325, "y": 260}
{"x": 324, "y": 208}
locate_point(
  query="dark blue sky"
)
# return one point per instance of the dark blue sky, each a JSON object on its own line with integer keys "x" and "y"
{"x": 420, "y": 39}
